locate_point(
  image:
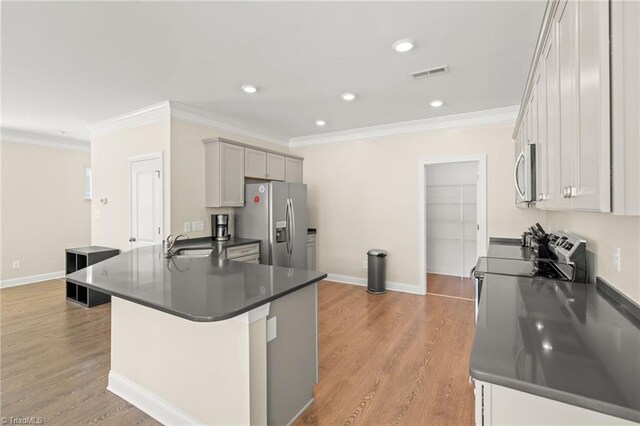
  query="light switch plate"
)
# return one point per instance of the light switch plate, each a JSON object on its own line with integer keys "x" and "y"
{"x": 97, "y": 214}
{"x": 187, "y": 227}
{"x": 198, "y": 225}
{"x": 272, "y": 328}
{"x": 15, "y": 264}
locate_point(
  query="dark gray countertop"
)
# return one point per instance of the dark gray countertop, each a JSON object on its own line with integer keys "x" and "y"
{"x": 509, "y": 248}
{"x": 198, "y": 289}
{"x": 208, "y": 242}
{"x": 560, "y": 340}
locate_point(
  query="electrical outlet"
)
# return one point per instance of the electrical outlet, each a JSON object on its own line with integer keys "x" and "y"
{"x": 187, "y": 227}
{"x": 15, "y": 264}
{"x": 365, "y": 265}
{"x": 272, "y": 328}
{"x": 198, "y": 225}
{"x": 615, "y": 258}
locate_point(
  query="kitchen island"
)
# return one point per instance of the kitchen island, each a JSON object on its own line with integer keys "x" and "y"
{"x": 189, "y": 336}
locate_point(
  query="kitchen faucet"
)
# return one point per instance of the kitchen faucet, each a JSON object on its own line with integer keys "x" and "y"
{"x": 170, "y": 242}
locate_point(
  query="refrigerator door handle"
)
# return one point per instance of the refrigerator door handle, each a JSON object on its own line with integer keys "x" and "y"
{"x": 287, "y": 227}
{"x": 293, "y": 224}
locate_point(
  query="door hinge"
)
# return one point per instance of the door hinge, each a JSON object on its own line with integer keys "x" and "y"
{"x": 158, "y": 230}
{"x": 158, "y": 172}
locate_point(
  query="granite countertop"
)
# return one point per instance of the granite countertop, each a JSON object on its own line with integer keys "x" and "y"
{"x": 561, "y": 340}
{"x": 199, "y": 289}
{"x": 509, "y": 248}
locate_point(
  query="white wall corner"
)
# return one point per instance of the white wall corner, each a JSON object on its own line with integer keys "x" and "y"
{"x": 390, "y": 285}
{"x": 41, "y": 139}
{"x": 148, "y": 402}
{"x": 12, "y": 282}
{"x": 171, "y": 109}
{"x": 471, "y": 119}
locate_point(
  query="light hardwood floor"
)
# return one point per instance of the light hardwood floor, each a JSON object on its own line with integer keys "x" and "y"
{"x": 448, "y": 285}
{"x": 390, "y": 359}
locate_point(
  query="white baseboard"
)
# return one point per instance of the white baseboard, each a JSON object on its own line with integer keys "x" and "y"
{"x": 148, "y": 402}
{"x": 393, "y": 286}
{"x": 300, "y": 412}
{"x": 12, "y": 282}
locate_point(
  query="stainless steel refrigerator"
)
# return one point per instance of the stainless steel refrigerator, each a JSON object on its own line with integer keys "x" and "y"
{"x": 276, "y": 214}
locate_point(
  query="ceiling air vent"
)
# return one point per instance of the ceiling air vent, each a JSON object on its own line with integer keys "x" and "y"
{"x": 431, "y": 71}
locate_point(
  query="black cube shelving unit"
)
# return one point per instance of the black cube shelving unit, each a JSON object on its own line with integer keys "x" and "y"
{"x": 79, "y": 258}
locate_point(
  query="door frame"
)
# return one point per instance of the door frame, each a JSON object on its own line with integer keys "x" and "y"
{"x": 130, "y": 161}
{"x": 481, "y": 160}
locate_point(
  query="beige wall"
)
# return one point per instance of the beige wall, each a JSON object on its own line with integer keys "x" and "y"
{"x": 603, "y": 232}
{"x": 43, "y": 207}
{"x": 364, "y": 194}
{"x": 110, "y": 167}
{"x": 187, "y": 183}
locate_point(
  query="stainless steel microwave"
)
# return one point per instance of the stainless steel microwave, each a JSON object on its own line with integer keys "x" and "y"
{"x": 524, "y": 174}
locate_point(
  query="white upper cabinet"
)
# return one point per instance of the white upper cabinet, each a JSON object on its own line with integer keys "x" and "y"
{"x": 625, "y": 106}
{"x": 275, "y": 167}
{"x": 567, "y": 108}
{"x": 293, "y": 170}
{"x": 224, "y": 174}
{"x": 592, "y": 174}
{"x": 255, "y": 163}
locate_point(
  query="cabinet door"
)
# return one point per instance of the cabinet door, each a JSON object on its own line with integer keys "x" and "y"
{"x": 540, "y": 90}
{"x": 569, "y": 100}
{"x": 293, "y": 170}
{"x": 275, "y": 167}
{"x": 592, "y": 173}
{"x": 255, "y": 163}
{"x": 552, "y": 82}
{"x": 231, "y": 175}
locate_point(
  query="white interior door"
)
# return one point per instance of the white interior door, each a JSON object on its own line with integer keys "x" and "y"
{"x": 145, "y": 175}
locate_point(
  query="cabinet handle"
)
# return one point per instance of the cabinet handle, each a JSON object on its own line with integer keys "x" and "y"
{"x": 540, "y": 196}
{"x": 572, "y": 191}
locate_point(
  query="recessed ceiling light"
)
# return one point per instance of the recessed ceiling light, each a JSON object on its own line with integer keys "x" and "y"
{"x": 348, "y": 96}
{"x": 403, "y": 46}
{"x": 320, "y": 123}
{"x": 436, "y": 104}
{"x": 249, "y": 88}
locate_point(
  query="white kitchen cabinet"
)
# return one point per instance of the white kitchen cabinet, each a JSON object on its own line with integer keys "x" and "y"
{"x": 566, "y": 110}
{"x": 499, "y": 405}
{"x": 625, "y": 106}
{"x": 275, "y": 167}
{"x": 293, "y": 170}
{"x": 567, "y": 31}
{"x": 551, "y": 89}
{"x": 255, "y": 163}
{"x": 592, "y": 153}
{"x": 224, "y": 174}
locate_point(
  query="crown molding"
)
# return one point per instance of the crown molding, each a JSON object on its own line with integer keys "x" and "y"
{"x": 42, "y": 139}
{"x": 171, "y": 109}
{"x": 470, "y": 119}
{"x": 139, "y": 117}
{"x": 206, "y": 118}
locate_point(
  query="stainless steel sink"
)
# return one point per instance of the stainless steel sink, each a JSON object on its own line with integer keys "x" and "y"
{"x": 192, "y": 252}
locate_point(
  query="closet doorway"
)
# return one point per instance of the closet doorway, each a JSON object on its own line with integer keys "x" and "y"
{"x": 453, "y": 208}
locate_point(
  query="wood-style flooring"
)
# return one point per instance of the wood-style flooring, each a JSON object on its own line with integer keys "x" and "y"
{"x": 55, "y": 358}
{"x": 391, "y": 359}
{"x": 448, "y": 285}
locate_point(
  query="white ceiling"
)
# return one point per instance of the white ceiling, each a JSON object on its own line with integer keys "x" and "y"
{"x": 67, "y": 65}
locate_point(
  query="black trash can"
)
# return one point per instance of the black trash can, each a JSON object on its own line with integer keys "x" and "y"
{"x": 377, "y": 271}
